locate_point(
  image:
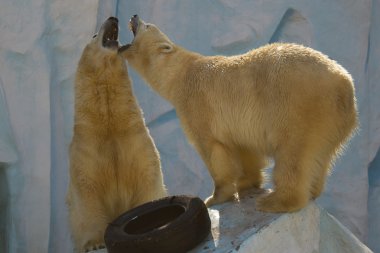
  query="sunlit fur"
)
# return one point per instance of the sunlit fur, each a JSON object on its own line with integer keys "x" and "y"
{"x": 114, "y": 164}
{"x": 283, "y": 101}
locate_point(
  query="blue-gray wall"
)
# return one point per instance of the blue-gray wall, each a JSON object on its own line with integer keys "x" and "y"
{"x": 40, "y": 45}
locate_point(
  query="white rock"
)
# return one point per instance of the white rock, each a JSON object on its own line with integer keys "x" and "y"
{"x": 40, "y": 45}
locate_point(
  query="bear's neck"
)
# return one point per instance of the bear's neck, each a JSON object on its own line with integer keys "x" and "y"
{"x": 170, "y": 78}
{"x": 102, "y": 103}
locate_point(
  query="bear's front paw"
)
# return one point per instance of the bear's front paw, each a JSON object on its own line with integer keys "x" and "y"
{"x": 278, "y": 203}
{"x": 218, "y": 199}
{"x": 210, "y": 201}
{"x": 95, "y": 247}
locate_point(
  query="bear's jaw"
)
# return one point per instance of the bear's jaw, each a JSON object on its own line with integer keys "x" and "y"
{"x": 123, "y": 48}
{"x": 110, "y": 33}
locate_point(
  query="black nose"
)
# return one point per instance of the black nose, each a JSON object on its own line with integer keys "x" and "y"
{"x": 135, "y": 16}
{"x": 113, "y": 19}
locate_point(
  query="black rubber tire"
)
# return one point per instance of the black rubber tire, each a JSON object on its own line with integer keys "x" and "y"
{"x": 170, "y": 225}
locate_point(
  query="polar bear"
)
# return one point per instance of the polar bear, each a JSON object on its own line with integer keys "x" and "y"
{"x": 281, "y": 101}
{"x": 114, "y": 164}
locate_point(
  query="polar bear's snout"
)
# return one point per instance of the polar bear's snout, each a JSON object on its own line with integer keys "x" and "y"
{"x": 134, "y": 24}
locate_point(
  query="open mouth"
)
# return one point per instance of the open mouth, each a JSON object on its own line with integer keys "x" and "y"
{"x": 134, "y": 24}
{"x": 111, "y": 33}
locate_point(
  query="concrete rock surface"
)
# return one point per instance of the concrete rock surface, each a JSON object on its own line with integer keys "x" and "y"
{"x": 40, "y": 45}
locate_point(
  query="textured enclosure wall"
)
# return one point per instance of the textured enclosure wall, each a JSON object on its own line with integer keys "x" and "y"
{"x": 40, "y": 45}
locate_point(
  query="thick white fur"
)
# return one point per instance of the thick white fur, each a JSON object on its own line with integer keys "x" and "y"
{"x": 114, "y": 164}
{"x": 284, "y": 101}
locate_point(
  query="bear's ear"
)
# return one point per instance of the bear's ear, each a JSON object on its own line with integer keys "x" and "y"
{"x": 165, "y": 47}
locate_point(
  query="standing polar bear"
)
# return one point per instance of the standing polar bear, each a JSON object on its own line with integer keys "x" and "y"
{"x": 283, "y": 101}
{"x": 114, "y": 164}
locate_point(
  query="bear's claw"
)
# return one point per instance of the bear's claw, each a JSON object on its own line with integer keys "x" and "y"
{"x": 95, "y": 247}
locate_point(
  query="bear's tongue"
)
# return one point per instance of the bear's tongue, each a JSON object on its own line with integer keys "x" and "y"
{"x": 111, "y": 35}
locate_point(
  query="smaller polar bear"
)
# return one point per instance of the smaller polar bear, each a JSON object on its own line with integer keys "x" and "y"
{"x": 283, "y": 101}
{"x": 114, "y": 164}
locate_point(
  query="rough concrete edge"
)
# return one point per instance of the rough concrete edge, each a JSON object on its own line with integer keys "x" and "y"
{"x": 334, "y": 237}
{"x": 268, "y": 238}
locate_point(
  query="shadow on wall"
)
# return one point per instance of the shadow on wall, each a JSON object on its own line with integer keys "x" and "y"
{"x": 293, "y": 27}
{"x": 4, "y": 203}
{"x": 374, "y": 203}
{"x": 8, "y": 155}
{"x": 8, "y": 152}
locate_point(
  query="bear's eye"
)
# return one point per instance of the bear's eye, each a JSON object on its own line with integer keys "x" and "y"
{"x": 94, "y": 36}
{"x": 147, "y": 26}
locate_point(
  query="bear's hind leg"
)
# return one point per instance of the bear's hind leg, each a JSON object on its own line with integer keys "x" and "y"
{"x": 323, "y": 162}
{"x": 292, "y": 180}
{"x": 320, "y": 173}
{"x": 225, "y": 169}
{"x": 253, "y": 165}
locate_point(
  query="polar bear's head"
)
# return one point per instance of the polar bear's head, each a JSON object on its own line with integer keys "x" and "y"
{"x": 149, "y": 48}
{"x": 108, "y": 34}
{"x": 106, "y": 39}
{"x": 103, "y": 48}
